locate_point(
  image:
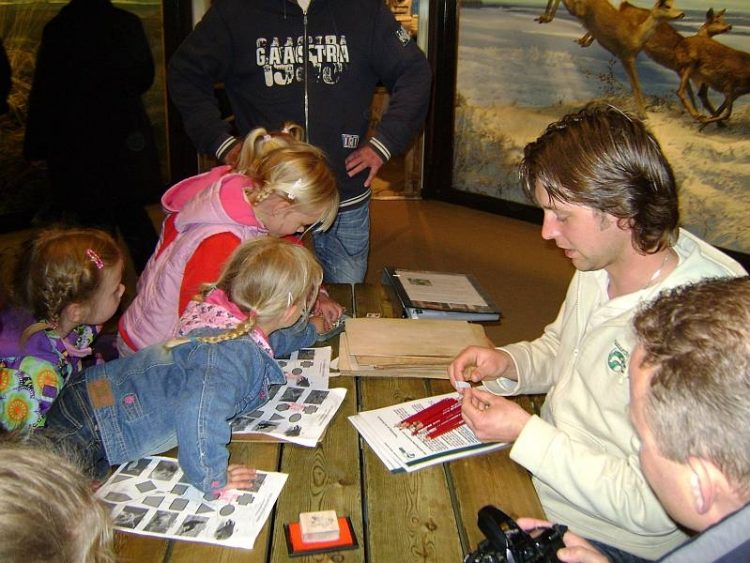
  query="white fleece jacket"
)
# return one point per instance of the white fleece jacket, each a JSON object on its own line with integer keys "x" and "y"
{"x": 583, "y": 451}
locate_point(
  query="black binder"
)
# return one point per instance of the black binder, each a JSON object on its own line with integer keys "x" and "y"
{"x": 424, "y": 294}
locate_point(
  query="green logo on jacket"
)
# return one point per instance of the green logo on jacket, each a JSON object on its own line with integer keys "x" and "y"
{"x": 617, "y": 360}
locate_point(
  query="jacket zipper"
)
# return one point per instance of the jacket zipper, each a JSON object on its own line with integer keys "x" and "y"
{"x": 306, "y": 58}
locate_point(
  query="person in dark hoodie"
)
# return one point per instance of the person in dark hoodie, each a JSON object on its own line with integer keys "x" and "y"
{"x": 315, "y": 63}
{"x": 87, "y": 123}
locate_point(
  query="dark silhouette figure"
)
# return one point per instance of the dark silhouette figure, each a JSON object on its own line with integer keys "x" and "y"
{"x": 87, "y": 121}
{"x": 5, "y": 82}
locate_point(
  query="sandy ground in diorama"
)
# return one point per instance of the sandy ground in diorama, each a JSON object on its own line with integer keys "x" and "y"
{"x": 711, "y": 166}
{"x": 516, "y": 76}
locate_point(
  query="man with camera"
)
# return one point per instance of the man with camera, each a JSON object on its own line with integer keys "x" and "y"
{"x": 690, "y": 406}
{"x": 610, "y": 202}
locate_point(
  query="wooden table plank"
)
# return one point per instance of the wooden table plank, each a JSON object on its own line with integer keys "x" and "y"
{"x": 410, "y": 515}
{"x": 264, "y": 456}
{"x": 327, "y": 477}
{"x": 140, "y": 549}
{"x": 504, "y": 483}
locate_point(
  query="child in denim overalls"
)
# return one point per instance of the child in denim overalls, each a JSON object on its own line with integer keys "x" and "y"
{"x": 185, "y": 392}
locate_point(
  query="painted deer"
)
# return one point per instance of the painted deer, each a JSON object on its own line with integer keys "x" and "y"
{"x": 665, "y": 45}
{"x": 714, "y": 65}
{"x": 621, "y": 33}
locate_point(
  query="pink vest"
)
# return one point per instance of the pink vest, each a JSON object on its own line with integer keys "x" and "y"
{"x": 152, "y": 316}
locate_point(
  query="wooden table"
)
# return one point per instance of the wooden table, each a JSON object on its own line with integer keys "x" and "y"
{"x": 428, "y": 515}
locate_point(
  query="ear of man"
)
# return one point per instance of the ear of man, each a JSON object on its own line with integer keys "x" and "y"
{"x": 714, "y": 496}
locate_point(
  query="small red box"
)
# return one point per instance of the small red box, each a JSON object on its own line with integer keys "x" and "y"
{"x": 296, "y": 547}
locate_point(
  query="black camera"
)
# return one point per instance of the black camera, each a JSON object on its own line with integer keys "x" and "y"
{"x": 506, "y": 542}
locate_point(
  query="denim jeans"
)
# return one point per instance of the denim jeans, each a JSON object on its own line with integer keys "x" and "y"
{"x": 616, "y": 555}
{"x": 71, "y": 421}
{"x": 343, "y": 249}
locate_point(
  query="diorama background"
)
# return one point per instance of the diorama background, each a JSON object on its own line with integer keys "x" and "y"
{"x": 515, "y": 76}
{"x": 23, "y": 187}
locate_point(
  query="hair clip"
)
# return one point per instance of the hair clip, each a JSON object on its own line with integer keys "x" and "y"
{"x": 266, "y": 137}
{"x": 296, "y": 186}
{"x": 289, "y": 299}
{"x": 286, "y": 130}
{"x": 94, "y": 257}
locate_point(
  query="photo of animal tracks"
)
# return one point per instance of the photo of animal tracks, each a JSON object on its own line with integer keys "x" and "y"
{"x": 149, "y": 497}
{"x": 299, "y": 411}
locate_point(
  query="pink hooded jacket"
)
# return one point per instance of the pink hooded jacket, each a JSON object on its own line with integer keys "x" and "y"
{"x": 196, "y": 208}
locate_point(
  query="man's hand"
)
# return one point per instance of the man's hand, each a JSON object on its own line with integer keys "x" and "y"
{"x": 364, "y": 157}
{"x": 492, "y": 418}
{"x": 576, "y": 550}
{"x": 477, "y": 363}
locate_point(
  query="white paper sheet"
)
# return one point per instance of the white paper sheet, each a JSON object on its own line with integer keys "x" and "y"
{"x": 148, "y": 497}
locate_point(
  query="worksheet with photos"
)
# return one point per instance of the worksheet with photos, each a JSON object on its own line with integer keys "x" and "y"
{"x": 149, "y": 497}
{"x": 401, "y": 449}
{"x": 299, "y": 411}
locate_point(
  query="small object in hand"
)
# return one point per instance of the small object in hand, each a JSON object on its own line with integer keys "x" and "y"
{"x": 336, "y": 328}
{"x": 462, "y": 385}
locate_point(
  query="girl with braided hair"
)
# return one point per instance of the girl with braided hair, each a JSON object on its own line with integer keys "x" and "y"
{"x": 187, "y": 391}
{"x": 67, "y": 284}
{"x": 279, "y": 187}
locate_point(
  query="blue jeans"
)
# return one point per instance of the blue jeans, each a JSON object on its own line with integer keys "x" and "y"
{"x": 71, "y": 421}
{"x": 616, "y": 555}
{"x": 343, "y": 249}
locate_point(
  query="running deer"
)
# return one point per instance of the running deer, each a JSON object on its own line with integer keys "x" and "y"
{"x": 665, "y": 45}
{"x": 621, "y": 33}
{"x": 714, "y": 65}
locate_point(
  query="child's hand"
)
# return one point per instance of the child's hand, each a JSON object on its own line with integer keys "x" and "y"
{"x": 320, "y": 324}
{"x": 240, "y": 477}
{"x": 328, "y": 309}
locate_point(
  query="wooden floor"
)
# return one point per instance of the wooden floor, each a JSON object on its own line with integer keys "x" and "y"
{"x": 525, "y": 275}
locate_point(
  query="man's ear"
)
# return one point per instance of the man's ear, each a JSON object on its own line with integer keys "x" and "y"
{"x": 625, "y": 223}
{"x": 702, "y": 483}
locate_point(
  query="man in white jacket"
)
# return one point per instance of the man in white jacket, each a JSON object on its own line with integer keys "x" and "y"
{"x": 610, "y": 203}
{"x": 690, "y": 405}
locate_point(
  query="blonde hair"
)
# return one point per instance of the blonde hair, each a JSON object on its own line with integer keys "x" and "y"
{"x": 263, "y": 277}
{"x": 60, "y": 266}
{"x": 48, "y": 510}
{"x": 282, "y": 164}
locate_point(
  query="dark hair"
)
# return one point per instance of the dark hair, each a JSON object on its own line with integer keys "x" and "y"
{"x": 603, "y": 158}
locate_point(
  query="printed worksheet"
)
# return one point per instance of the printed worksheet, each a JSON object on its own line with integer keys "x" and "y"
{"x": 400, "y": 449}
{"x": 150, "y": 497}
{"x": 299, "y": 411}
{"x": 308, "y": 368}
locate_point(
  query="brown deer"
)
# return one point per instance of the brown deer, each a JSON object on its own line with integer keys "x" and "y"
{"x": 714, "y": 65}
{"x": 664, "y": 46}
{"x": 621, "y": 33}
